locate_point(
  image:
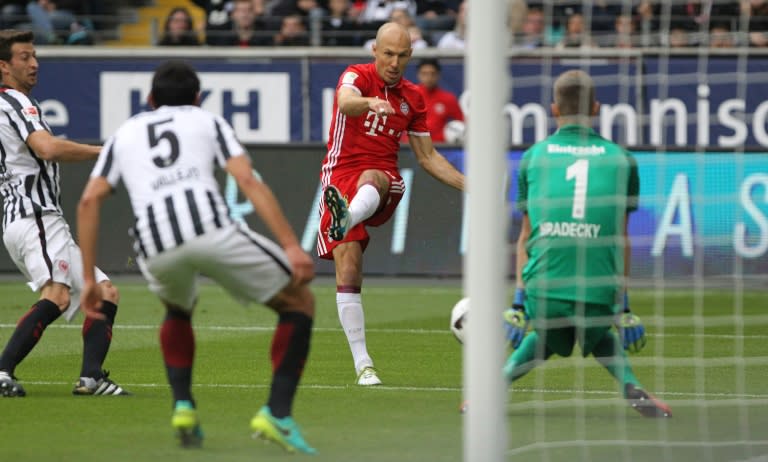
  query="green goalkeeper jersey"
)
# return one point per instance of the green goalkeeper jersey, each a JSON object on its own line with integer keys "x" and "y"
{"x": 577, "y": 188}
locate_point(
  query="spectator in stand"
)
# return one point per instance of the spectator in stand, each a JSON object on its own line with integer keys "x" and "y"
{"x": 625, "y": 35}
{"x": 379, "y": 11}
{"x": 402, "y": 17}
{"x": 604, "y": 14}
{"x": 293, "y": 32}
{"x": 532, "y": 31}
{"x": 340, "y": 26}
{"x": 455, "y": 39}
{"x": 691, "y": 16}
{"x": 356, "y": 9}
{"x": 679, "y": 38}
{"x": 246, "y": 27}
{"x": 721, "y": 36}
{"x": 435, "y": 15}
{"x": 517, "y": 10}
{"x": 442, "y": 105}
{"x": 576, "y": 34}
{"x": 179, "y": 29}
{"x": 757, "y": 10}
{"x": 216, "y": 14}
{"x": 374, "y": 13}
{"x": 56, "y": 23}
{"x": 304, "y": 8}
{"x": 417, "y": 38}
{"x": 13, "y": 13}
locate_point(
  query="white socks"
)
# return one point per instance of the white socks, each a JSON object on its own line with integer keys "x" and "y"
{"x": 350, "y": 309}
{"x": 364, "y": 204}
{"x": 349, "y": 305}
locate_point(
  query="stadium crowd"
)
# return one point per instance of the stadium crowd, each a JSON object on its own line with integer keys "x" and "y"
{"x": 432, "y": 23}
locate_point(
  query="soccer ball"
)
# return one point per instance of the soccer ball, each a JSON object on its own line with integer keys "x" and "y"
{"x": 459, "y": 318}
{"x": 454, "y": 132}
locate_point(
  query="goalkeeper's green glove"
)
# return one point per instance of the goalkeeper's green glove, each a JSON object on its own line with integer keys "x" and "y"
{"x": 515, "y": 320}
{"x": 631, "y": 329}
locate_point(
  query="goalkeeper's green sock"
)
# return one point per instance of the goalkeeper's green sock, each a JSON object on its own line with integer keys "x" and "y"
{"x": 522, "y": 359}
{"x": 612, "y": 356}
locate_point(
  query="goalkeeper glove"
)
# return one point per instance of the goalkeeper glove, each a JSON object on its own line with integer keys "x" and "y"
{"x": 631, "y": 329}
{"x": 515, "y": 320}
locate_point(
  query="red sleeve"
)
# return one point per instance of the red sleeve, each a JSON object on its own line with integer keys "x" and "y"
{"x": 356, "y": 76}
{"x": 419, "y": 122}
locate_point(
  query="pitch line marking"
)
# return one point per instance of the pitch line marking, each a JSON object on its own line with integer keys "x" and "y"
{"x": 369, "y": 330}
{"x": 611, "y": 392}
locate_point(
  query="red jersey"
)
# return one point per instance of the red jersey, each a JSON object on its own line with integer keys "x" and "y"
{"x": 370, "y": 141}
{"x": 442, "y": 107}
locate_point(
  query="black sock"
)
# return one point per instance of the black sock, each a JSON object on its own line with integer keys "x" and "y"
{"x": 290, "y": 348}
{"x": 28, "y": 331}
{"x": 97, "y": 336}
{"x": 177, "y": 341}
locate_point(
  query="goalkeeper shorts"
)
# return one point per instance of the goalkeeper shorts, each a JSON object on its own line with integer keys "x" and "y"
{"x": 563, "y": 323}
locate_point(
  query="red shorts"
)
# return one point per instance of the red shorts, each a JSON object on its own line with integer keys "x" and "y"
{"x": 347, "y": 186}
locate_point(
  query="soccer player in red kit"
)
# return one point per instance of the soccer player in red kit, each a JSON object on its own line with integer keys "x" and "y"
{"x": 374, "y": 106}
{"x": 442, "y": 105}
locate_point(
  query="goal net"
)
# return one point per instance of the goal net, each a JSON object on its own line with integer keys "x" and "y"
{"x": 681, "y": 84}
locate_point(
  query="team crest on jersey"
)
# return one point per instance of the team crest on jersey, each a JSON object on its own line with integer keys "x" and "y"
{"x": 349, "y": 78}
{"x": 30, "y": 114}
{"x": 404, "y": 108}
{"x": 63, "y": 266}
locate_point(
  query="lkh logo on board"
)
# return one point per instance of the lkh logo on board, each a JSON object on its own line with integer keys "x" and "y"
{"x": 257, "y": 105}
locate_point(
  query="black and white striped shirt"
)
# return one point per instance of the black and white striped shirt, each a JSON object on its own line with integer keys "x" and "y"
{"x": 29, "y": 185}
{"x": 166, "y": 159}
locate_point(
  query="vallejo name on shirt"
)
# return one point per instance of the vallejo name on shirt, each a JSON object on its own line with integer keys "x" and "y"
{"x": 179, "y": 175}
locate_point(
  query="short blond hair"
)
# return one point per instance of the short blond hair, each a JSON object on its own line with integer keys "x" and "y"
{"x": 575, "y": 93}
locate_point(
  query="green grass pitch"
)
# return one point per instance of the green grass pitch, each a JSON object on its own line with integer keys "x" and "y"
{"x": 710, "y": 367}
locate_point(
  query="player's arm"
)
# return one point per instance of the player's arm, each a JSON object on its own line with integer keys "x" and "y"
{"x": 88, "y": 215}
{"x": 351, "y": 103}
{"x": 627, "y": 252}
{"x": 434, "y": 162}
{"x": 49, "y": 147}
{"x": 522, "y": 254}
{"x": 516, "y": 321}
{"x": 269, "y": 210}
{"x": 630, "y": 326}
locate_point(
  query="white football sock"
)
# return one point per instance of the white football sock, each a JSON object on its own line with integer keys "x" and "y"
{"x": 352, "y": 319}
{"x": 364, "y": 204}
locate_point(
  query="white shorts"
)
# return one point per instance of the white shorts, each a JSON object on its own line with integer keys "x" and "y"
{"x": 44, "y": 250}
{"x": 246, "y": 264}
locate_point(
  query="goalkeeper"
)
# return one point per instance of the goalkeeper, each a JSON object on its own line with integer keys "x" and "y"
{"x": 575, "y": 190}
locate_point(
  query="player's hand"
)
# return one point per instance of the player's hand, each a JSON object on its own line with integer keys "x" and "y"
{"x": 301, "y": 263}
{"x": 380, "y": 106}
{"x": 515, "y": 325}
{"x": 91, "y": 299}
{"x": 632, "y": 332}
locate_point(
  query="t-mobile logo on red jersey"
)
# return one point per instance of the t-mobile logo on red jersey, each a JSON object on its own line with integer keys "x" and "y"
{"x": 377, "y": 124}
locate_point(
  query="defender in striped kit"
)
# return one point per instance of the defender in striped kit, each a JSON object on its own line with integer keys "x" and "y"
{"x": 34, "y": 230}
{"x": 166, "y": 159}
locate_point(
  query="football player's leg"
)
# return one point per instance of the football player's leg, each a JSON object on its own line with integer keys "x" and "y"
{"x": 290, "y": 345}
{"x": 348, "y": 258}
{"x": 609, "y": 352}
{"x": 295, "y": 306}
{"x": 54, "y": 298}
{"x": 28, "y": 332}
{"x": 177, "y": 341}
{"x": 372, "y": 189}
{"x": 531, "y": 351}
{"x": 97, "y": 338}
{"x": 22, "y": 239}
{"x": 173, "y": 281}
